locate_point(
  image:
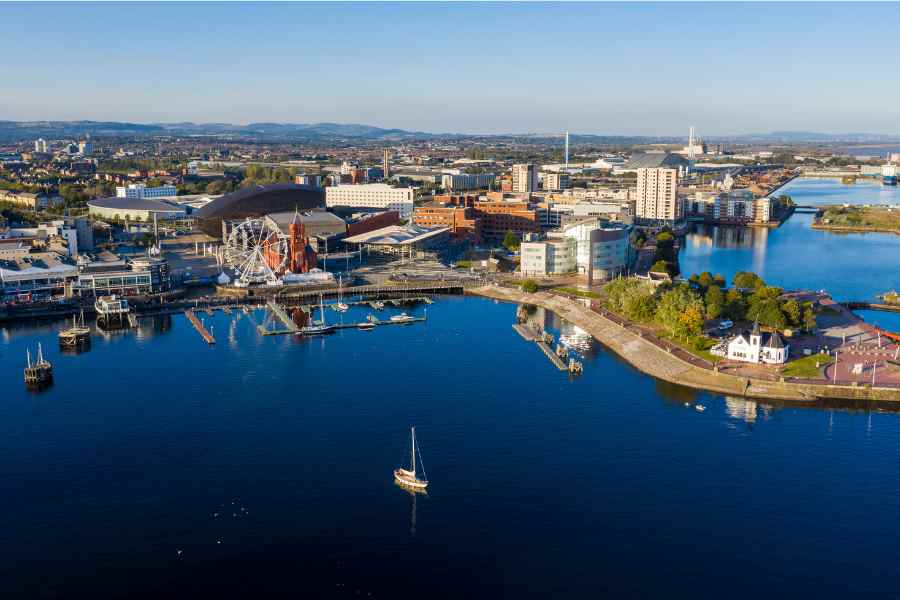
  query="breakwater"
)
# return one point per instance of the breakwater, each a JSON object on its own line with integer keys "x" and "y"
{"x": 676, "y": 366}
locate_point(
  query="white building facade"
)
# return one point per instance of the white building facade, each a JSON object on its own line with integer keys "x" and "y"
{"x": 372, "y": 195}
{"x": 140, "y": 191}
{"x": 548, "y": 257}
{"x": 755, "y": 347}
{"x": 603, "y": 251}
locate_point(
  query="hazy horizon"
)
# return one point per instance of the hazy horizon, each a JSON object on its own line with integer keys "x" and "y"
{"x": 471, "y": 68}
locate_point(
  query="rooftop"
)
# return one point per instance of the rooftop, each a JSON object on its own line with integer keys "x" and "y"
{"x": 149, "y": 204}
{"x": 396, "y": 235}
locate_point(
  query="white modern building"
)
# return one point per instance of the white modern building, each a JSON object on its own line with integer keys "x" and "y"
{"x": 548, "y": 257}
{"x": 140, "y": 191}
{"x": 467, "y": 181}
{"x": 85, "y": 147}
{"x": 525, "y": 178}
{"x": 372, "y": 195}
{"x": 603, "y": 250}
{"x": 40, "y": 145}
{"x": 657, "y": 196}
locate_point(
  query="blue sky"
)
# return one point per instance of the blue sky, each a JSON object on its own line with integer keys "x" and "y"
{"x": 466, "y": 67}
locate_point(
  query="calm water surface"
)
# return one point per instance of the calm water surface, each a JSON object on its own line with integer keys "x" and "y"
{"x": 158, "y": 467}
{"x": 267, "y": 462}
{"x": 855, "y": 266}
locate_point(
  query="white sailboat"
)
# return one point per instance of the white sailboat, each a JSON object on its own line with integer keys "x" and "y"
{"x": 320, "y": 328}
{"x": 341, "y": 306}
{"x": 408, "y": 477}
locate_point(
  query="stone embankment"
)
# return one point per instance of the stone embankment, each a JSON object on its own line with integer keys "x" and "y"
{"x": 675, "y": 366}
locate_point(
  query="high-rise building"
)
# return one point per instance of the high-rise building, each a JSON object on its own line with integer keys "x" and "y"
{"x": 85, "y": 147}
{"x": 525, "y": 178}
{"x": 556, "y": 181}
{"x": 386, "y": 163}
{"x": 40, "y": 145}
{"x": 657, "y": 196}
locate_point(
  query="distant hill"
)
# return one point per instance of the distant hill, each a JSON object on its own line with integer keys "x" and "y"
{"x": 349, "y": 132}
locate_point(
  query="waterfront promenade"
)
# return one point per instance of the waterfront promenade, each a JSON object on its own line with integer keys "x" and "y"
{"x": 666, "y": 361}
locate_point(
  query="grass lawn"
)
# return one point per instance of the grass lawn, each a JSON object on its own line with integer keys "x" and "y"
{"x": 576, "y": 292}
{"x": 701, "y": 350}
{"x": 806, "y": 367}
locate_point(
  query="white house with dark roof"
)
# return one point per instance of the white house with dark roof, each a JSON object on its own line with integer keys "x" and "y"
{"x": 755, "y": 347}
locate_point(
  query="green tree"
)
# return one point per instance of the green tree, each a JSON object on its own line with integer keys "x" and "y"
{"x": 792, "y": 312}
{"x": 511, "y": 241}
{"x": 715, "y": 302}
{"x": 529, "y": 286}
{"x": 674, "y": 305}
{"x": 664, "y": 266}
{"x": 765, "y": 307}
{"x": 809, "y": 317}
{"x": 746, "y": 280}
{"x": 735, "y": 305}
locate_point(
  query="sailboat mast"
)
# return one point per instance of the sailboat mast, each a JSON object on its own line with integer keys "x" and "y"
{"x": 28, "y": 357}
{"x": 413, "y": 449}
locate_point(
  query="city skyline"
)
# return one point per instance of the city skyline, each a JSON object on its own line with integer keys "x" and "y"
{"x": 613, "y": 69}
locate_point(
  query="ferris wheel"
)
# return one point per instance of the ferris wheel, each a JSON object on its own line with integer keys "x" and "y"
{"x": 257, "y": 251}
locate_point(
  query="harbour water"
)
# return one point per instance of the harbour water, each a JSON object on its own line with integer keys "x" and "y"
{"x": 852, "y": 266}
{"x": 158, "y": 464}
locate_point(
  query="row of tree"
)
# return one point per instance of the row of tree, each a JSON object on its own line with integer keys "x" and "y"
{"x": 683, "y": 308}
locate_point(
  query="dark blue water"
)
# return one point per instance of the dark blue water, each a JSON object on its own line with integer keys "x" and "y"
{"x": 854, "y": 266}
{"x": 542, "y": 486}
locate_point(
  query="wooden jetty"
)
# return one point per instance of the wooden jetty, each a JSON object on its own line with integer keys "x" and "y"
{"x": 544, "y": 340}
{"x": 40, "y": 372}
{"x": 201, "y": 329}
{"x": 287, "y": 324}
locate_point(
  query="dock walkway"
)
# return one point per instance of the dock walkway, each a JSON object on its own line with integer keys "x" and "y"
{"x": 201, "y": 329}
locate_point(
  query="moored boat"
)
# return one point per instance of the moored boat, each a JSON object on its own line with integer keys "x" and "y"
{"x": 409, "y": 478}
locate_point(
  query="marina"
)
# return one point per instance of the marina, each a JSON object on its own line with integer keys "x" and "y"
{"x": 335, "y": 449}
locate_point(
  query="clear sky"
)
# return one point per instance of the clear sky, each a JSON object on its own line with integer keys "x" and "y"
{"x": 480, "y": 68}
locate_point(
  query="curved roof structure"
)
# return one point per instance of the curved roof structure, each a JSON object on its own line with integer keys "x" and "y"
{"x": 256, "y": 201}
{"x": 396, "y": 235}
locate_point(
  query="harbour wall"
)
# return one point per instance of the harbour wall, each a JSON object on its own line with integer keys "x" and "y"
{"x": 650, "y": 359}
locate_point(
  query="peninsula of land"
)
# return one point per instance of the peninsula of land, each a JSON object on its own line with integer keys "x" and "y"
{"x": 673, "y": 364}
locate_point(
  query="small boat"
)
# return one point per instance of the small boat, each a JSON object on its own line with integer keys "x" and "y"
{"x": 378, "y": 305}
{"x": 366, "y": 326}
{"x": 402, "y": 318}
{"x": 41, "y": 371}
{"x": 341, "y": 306}
{"x": 320, "y": 328}
{"x": 700, "y": 408}
{"x": 77, "y": 335}
{"x": 408, "y": 478}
